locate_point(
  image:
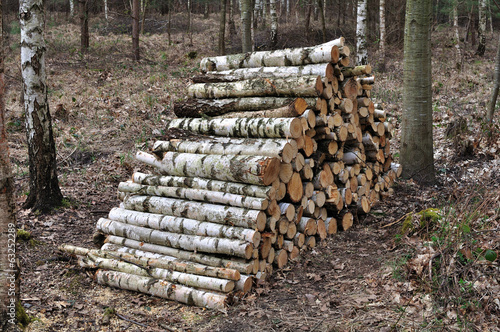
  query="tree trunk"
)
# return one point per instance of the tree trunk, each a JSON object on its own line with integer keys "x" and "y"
{"x": 84, "y": 25}
{"x": 361, "y": 33}
{"x": 162, "y": 288}
{"x": 231, "y": 75}
{"x": 274, "y": 23}
{"x": 240, "y": 217}
{"x": 382, "y": 35}
{"x": 481, "y": 31}
{"x": 416, "y": 133}
{"x": 307, "y": 18}
{"x": 44, "y": 185}
{"x": 146, "y": 259}
{"x": 135, "y": 30}
{"x": 72, "y": 7}
{"x": 196, "y": 243}
{"x": 144, "y": 7}
{"x": 206, "y": 12}
{"x": 222, "y": 27}
{"x": 230, "y": 22}
{"x": 189, "y": 32}
{"x": 265, "y": 128}
{"x": 287, "y": 57}
{"x": 304, "y": 86}
{"x": 496, "y": 86}
{"x": 321, "y": 6}
{"x": 459, "y": 60}
{"x": 206, "y": 184}
{"x": 246, "y": 25}
{"x": 9, "y": 281}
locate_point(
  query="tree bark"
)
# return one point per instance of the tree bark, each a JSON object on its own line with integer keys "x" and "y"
{"x": 303, "y": 86}
{"x": 246, "y": 169}
{"x": 274, "y": 23}
{"x": 162, "y": 288}
{"x": 321, "y": 7}
{"x": 457, "y": 36}
{"x": 481, "y": 31}
{"x": 361, "y": 33}
{"x": 264, "y": 128}
{"x": 207, "y": 184}
{"x": 84, "y": 25}
{"x": 44, "y": 185}
{"x": 135, "y": 30}
{"x": 382, "y": 35}
{"x": 225, "y": 215}
{"x": 222, "y": 27}
{"x": 246, "y": 25}
{"x": 196, "y": 243}
{"x": 496, "y": 86}
{"x": 286, "y": 57}
{"x": 416, "y": 133}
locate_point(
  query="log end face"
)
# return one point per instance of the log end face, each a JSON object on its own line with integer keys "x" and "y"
{"x": 272, "y": 170}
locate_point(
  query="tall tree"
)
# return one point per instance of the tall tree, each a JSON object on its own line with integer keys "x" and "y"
{"x": 416, "y": 127}
{"x": 458, "y": 64}
{"x": 246, "y": 25}
{"x": 8, "y": 266}
{"x": 84, "y": 25}
{"x": 361, "y": 30}
{"x": 481, "y": 31}
{"x": 382, "y": 35}
{"x": 321, "y": 13}
{"x": 44, "y": 185}
{"x": 494, "y": 94}
{"x": 274, "y": 23}
{"x": 230, "y": 21}
{"x": 222, "y": 28}
{"x": 72, "y": 8}
{"x": 135, "y": 30}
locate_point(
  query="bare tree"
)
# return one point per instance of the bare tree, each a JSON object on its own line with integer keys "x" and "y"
{"x": 84, "y": 25}
{"x": 416, "y": 129}
{"x": 382, "y": 35}
{"x": 44, "y": 185}
{"x": 222, "y": 27}
{"x": 361, "y": 29}
{"x": 246, "y": 25}
{"x": 494, "y": 95}
{"x": 274, "y": 23}
{"x": 135, "y": 30}
{"x": 481, "y": 31}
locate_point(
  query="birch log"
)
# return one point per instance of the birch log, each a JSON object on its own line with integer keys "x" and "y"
{"x": 183, "y": 225}
{"x": 120, "y": 244}
{"x": 206, "y": 184}
{"x": 207, "y": 196}
{"x": 156, "y": 260}
{"x": 191, "y": 280}
{"x": 162, "y": 288}
{"x": 303, "y": 86}
{"x": 234, "y": 216}
{"x": 240, "y": 74}
{"x": 241, "y": 127}
{"x": 247, "y": 169}
{"x": 279, "y": 58}
{"x": 179, "y": 241}
{"x": 273, "y": 147}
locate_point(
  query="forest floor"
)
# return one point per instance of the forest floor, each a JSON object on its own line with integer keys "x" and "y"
{"x": 373, "y": 277}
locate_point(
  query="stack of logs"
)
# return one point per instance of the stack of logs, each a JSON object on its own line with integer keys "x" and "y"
{"x": 279, "y": 150}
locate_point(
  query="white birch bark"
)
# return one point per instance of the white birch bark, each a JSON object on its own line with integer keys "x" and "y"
{"x": 124, "y": 245}
{"x": 207, "y": 196}
{"x": 148, "y": 259}
{"x": 196, "y": 243}
{"x": 481, "y": 31}
{"x": 106, "y": 10}
{"x": 161, "y": 288}
{"x": 361, "y": 32}
{"x": 72, "y": 8}
{"x": 286, "y": 57}
{"x": 246, "y": 169}
{"x": 207, "y": 184}
{"x": 263, "y": 128}
{"x": 382, "y": 32}
{"x": 277, "y": 148}
{"x": 183, "y": 225}
{"x": 225, "y": 215}
{"x": 274, "y": 23}
{"x": 246, "y": 25}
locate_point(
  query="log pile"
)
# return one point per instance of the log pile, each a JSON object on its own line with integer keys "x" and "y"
{"x": 271, "y": 153}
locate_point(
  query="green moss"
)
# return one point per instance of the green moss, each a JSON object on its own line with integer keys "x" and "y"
{"x": 22, "y": 318}
{"x": 23, "y": 235}
{"x": 429, "y": 217}
{"x": 407, "y": 225}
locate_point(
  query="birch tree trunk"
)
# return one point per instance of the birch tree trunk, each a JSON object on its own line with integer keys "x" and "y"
{"x": 230, "y": 22}
{"x": 459, "y": 60}
{"x": 135, "y": 30}
{"x": 481, "y": 31}
{"x": 9, "y": 282}
{"x": 246, "y": 25}
{"x": 382, "y": 35}
{"x": 361, "y": 33}
{"x": 222, "y": 27}
{"x": 106, "y": 9}
{"x": 321, "y": 6}
{"x": 416, "y": 134}
{"x": 84, "y": 25}
{"x": 72, "y": 7}
{"x": 496, "y": 86}
{"x": 44, "y": 185}
{"x": 274, "y": 23}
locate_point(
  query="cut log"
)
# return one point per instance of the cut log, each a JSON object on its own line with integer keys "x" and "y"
{"x": 357, "y": 71}
{"x": 345, "y": 219}
{"x": 294, "y": 188}
{"x": 120, "y": 244}
{"x": 162, "y": 288}
{"x": 214, "y": 245}
{"x": 282, "y": 225}
{"x": 146, "y": 259}
{"x": 331, "y": 225}
{"x": 302, "y": 86}
{"x": 190, "y": 280}
{"x": 183, "y": 225}
{"x": 287, "y": 210}
{"x": 349, "y": 88}
{"x": 363, "y": 205}
{"x": 244, "y": 284}
{"x": 319, "y": 198}
{"x": 195, "y": 108}
{"x": 280, "y": 258}
{"x": 205, "y": 184}
{"x": 310, "y": 242}
{"x": 230, "y": 146}
{"x": 246, "y": 169}
{"x": 287, "y": 57}
{"x": 286, "y": 172}
{"x": 241, "y": 127}
{"x": 246, "y": 218}
{"x": 321, "y": 229}
{"x": 307, "y": 226}
{"x": 240, "y": 74}
{"x": 292, "y": 230}
{"x": 207, "y": 196}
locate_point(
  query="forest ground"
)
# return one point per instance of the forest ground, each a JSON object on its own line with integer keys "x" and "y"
{"x": 374, "y": 277}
